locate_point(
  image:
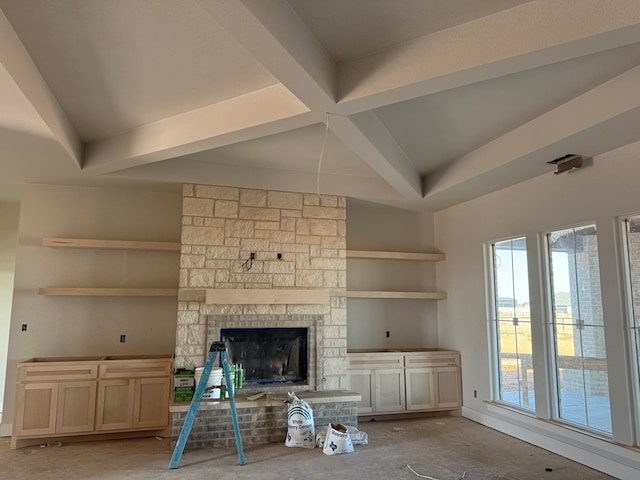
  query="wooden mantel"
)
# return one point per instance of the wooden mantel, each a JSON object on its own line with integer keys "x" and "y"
{"x": 267, "y": 297}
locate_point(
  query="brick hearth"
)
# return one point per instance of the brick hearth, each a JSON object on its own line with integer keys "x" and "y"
{"x": 261, "y": 421}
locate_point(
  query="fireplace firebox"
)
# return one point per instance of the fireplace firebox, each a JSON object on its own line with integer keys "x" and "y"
{"x": 269, "y": 356}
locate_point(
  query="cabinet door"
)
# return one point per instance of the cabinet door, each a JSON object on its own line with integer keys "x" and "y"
{"x": 420, "y": 388}
{"x": 151, "y": 402}
{"x": 36, "y": 405}
{"x": 115, "y": 404}
{"x": 447, "y": 383}
{"x": 361, "y": 381}
{"x": 76, "y": 406}
{"x": 389, "y": 390}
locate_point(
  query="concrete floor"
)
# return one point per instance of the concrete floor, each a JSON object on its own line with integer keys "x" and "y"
{"x": 443, "y": 448}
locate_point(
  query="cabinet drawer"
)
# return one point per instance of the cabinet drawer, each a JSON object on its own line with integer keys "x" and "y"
{"x": 360, "y": 361}
{"x": 48, "y": 372}
{"x": 431, "y": 359}
{"x": 135, "y": 369}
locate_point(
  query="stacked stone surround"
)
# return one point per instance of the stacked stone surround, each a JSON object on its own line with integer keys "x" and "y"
{"x": 222, "y": 226}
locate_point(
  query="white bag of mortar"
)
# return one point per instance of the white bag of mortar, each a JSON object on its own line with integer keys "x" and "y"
{"x": 301, "y": 431}
{"x": 357, "y": 437}
{"x": 337, "y": 440}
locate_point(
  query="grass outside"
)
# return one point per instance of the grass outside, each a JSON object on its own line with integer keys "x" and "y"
{"x": 564, "y": 333}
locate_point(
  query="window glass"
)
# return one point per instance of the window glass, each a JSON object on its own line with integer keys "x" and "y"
{"x": 578, "y": 329}
{"x": 512, "y": 323}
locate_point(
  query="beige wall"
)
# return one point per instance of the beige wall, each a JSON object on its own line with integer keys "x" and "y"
{"x": 62, "y": 326}
{"x": 9, "y": 212}
{"x": 597, "y": 193}
{"x": 410, "y": 323}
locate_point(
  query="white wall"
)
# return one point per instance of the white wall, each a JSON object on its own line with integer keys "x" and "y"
{"x": 67, "y": 326}
{"x": 597, "y": 193}
{"x": 411, "y": 323}
{"x": 9, "y": 212}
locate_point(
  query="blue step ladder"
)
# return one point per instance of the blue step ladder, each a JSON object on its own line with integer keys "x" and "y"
{"x": 216, "y": 348}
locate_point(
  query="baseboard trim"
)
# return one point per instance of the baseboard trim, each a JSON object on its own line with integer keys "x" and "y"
{"x": 6, "y": 429}
{"x": 615, "y": 460}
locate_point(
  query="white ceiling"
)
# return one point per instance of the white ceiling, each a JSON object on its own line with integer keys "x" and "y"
{"x": 428, "y": 103}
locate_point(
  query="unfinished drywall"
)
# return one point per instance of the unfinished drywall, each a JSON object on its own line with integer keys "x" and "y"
{"x": 410, "y": 323}
{"x": 599, "y": 192}
{"x": 65, "y": 326}
{"x": 9, "y": 214}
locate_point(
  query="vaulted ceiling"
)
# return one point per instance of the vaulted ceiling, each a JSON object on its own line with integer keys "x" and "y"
{"x": 415, "y": 103}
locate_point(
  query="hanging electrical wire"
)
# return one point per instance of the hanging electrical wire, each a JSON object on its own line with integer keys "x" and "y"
{"x": 324, "y": 142}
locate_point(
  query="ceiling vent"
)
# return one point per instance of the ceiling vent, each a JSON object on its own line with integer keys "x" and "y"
{"x": 566, "y": 163}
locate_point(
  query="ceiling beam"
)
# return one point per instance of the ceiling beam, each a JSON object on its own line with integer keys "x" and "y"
{"x": 274, "y": 34}
{"x": 367, "y": 137}
{"x": 533, "y": 34}
{"x": 267, "y": 111}
{"x": 15, "y": 59}
{"x": 282, "y": 43}
{"x": 597, "y": 121}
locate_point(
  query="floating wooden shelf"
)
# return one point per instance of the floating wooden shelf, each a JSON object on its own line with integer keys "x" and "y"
{"x": 402, "y": 295}
{"x": 110, "y": 244}
{"x": 109, "y": 292}
{"x": 382, "y": 255}
{"x": 379, "y": 255}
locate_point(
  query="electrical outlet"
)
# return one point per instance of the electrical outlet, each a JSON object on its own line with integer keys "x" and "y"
{"x": 123, "y": 338}
{"x": 475, "y": 394}
{"x": 24, "y": 327}
{"x": 388, "y": 334}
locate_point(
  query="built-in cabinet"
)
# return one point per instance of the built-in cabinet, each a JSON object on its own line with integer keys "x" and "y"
{"x": 62, "y": 397}
{"x": 433, "y": 380}
{"x": 400, "y": 382}
{"x": 380, "y": 381}
{"x": 55, "y": 397}
{"x": 133, "y": 395}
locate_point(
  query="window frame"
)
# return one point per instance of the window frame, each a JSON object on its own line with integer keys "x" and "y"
{"x": 553, "y": 386}
{"x": 633, "y": 338}
{"x": 493, "y": 325}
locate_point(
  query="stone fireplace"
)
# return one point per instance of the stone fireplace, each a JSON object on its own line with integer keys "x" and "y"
{"x": 264, "y": 259}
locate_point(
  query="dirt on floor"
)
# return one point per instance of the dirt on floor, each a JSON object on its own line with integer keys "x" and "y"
{"x": 441, "y": 448}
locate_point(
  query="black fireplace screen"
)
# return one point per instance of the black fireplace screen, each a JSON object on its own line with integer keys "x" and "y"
{"x": 268, "y": 355}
